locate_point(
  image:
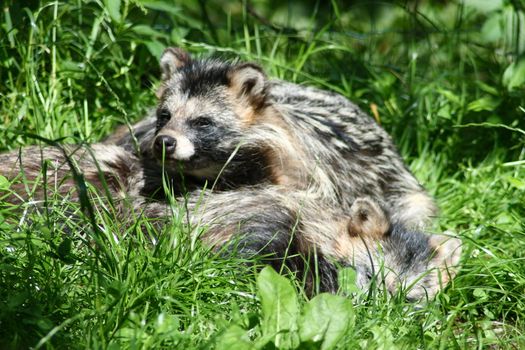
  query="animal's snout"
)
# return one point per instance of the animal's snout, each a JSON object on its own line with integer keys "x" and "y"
{"x": 165, "y": 142}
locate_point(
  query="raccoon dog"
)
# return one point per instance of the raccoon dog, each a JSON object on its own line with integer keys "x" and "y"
{"x": 280, "y": 226}
{"x": 228, "y": 124}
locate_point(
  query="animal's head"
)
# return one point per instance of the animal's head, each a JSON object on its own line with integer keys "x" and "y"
{"x": 395, "y": 258}
{"x": 204, "y": 108}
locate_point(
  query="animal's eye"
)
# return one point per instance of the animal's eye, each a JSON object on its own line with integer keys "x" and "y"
{"x": 163, "y": 116}
{"x": 202, "y": 122}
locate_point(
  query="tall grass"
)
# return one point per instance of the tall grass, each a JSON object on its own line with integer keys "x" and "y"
{"x": 446, "y": 79}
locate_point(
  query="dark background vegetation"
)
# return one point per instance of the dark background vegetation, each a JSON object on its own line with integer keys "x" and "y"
{"x": 431, "y": 67}
{"x": 445, "y": 78}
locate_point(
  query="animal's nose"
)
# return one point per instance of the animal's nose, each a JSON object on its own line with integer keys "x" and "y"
{"x": 166, "y": 142}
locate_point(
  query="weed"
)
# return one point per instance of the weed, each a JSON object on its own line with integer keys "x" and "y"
{"x": 445, "y": 78}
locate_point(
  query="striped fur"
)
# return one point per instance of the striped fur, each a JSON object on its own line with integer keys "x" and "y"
{"x": 280, "y": 226}
{"x": 229, "y": 119}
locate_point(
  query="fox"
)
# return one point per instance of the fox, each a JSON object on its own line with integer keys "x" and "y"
{"x": 282, "y": 228}
{"x": 226, "y": 123}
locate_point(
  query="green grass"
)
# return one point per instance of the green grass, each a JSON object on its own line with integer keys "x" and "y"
{"x": 447, "y": 79}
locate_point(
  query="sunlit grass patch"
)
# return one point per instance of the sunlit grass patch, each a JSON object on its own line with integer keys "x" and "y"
{"x": 444, "y": 78}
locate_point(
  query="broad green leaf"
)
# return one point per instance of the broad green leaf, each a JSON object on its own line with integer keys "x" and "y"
{"x": 164, "y": 6}
{"x": 178, "y": 34}
{"x": 45, "y": 324}
{"x": 485, "y": 103}
{"x": 4, "y": 183}
{"x": 67, "y": 65}
{"x": 480, "y": 293}
{"x": 518, "y": 183}
{"x": 325, "y": 320}
{"x": 492, "y": 32}
{"x": 155, "y": 47}
{"x": 504, "y": 219}
{"x": 383, "y": 338}
{"x": 166, "y": 323}
{"x": 280, "y": 308}
{"x": 449, "y": 95}
{"x": 113, "y": 346}
{"x": 487, "y": 88}
{"x": 514, "y": 75}
{"x": 484, "y": 6}
{"x": 113, "y": 7}
{"x": 445, "y": 112}
{"x": 234, "y": 338}
{"x": 147, "y": 31}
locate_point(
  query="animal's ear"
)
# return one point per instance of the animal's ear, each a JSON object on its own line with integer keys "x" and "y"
{"x": 447, "y": 252}
{"x": 172, "y": 59}
{"x": 367, "y": 219}
{"x": 248, "y": 81}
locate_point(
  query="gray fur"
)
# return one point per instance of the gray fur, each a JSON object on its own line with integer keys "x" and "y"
{"x": 281, "y": 226}
{"x": 281, "y": 133}
{"x": 305, "y": 175}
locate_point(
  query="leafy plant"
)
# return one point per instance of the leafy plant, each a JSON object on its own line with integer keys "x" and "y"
{"x": 320, "y": 323}
{"x": 444, "y": 78}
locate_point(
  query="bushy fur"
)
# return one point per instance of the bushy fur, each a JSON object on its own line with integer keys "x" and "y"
{"x": 280, "y": 226}
{"x": 296, "y": 228}
{"x": 304, "y": 177}
{"x": 221, "y": 118}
